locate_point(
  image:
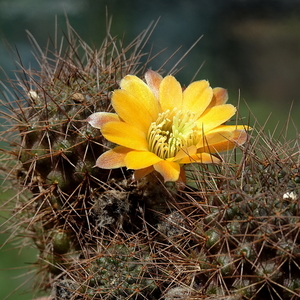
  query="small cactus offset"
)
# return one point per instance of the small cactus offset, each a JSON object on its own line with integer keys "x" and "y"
{"x": 187, "y": 223}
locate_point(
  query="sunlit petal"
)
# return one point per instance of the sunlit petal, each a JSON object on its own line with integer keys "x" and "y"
{"x": 223, "y": 141}
{"x": 136, "y": 86}
{"x": 99, "y": 118}
{"x": 215, "y": 116}
{"x": 219, "y": 134}
{"x": 184, "y": 152}
{"x": 168, "y": 169}
{"x": 140, "y": 159}
{"x": 125, "y": 135}
{"x": 197, "y": 96}
{"x": 113, "y": 159}
{"x": 229, "y": 128}
{"x": 132, "y": 110}
{"x": 170, "y": 93}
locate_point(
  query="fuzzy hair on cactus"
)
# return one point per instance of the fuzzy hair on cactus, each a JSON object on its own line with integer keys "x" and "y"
{"x": 230, "y": 232}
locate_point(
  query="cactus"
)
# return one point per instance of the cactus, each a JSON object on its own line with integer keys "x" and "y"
{"x": 65, "y": 203}
{"x": 239, "y": 233}
{"x": 230, "y": 232}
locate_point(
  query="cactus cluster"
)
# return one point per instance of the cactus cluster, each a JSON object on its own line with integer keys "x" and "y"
{"x": 232, "y": 232}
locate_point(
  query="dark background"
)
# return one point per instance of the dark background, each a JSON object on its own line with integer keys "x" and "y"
{"x": 250, "y": 47}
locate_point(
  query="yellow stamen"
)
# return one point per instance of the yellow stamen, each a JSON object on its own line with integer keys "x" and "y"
{"x": 170, "y": 132}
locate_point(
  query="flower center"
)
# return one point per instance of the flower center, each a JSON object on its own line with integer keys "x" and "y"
{"x": 170, "y": 132}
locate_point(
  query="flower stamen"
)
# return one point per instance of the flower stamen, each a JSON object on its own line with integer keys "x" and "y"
{"x": 170, "y": 132}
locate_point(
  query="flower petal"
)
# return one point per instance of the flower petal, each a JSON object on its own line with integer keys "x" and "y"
{"x": 170, "y": 93}
{"x": 184, "y": 152}
{"x": 113, "y": 159}
{"x": 132, "y": 110}
{"x": 99, "y": 118}
{"x": 168, "y": 169}
{"x": 230, "y": 128}
{"x": 153, "y": 80}
{"x": 218, "y": 134}
{"x": 136, "y": 86}
{"x": 215, "y": 116}
{"x": 203, "y": 158}
{"x": 197, "y": 96}
{"x": 125, "y": 135}
{"x": 140, "y": 159}
{"x": 222, "y": 141}
{"x": 220, "y": 96}
{"x": 223, "y": 128}
{"x": 182, "y": 176}
{"x": 138, "y": 174}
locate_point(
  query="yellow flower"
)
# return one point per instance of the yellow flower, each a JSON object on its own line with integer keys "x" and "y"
{"x": 160, "y": 127}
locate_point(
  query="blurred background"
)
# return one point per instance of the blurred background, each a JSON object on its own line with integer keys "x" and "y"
{"x": 250, "y": 47}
